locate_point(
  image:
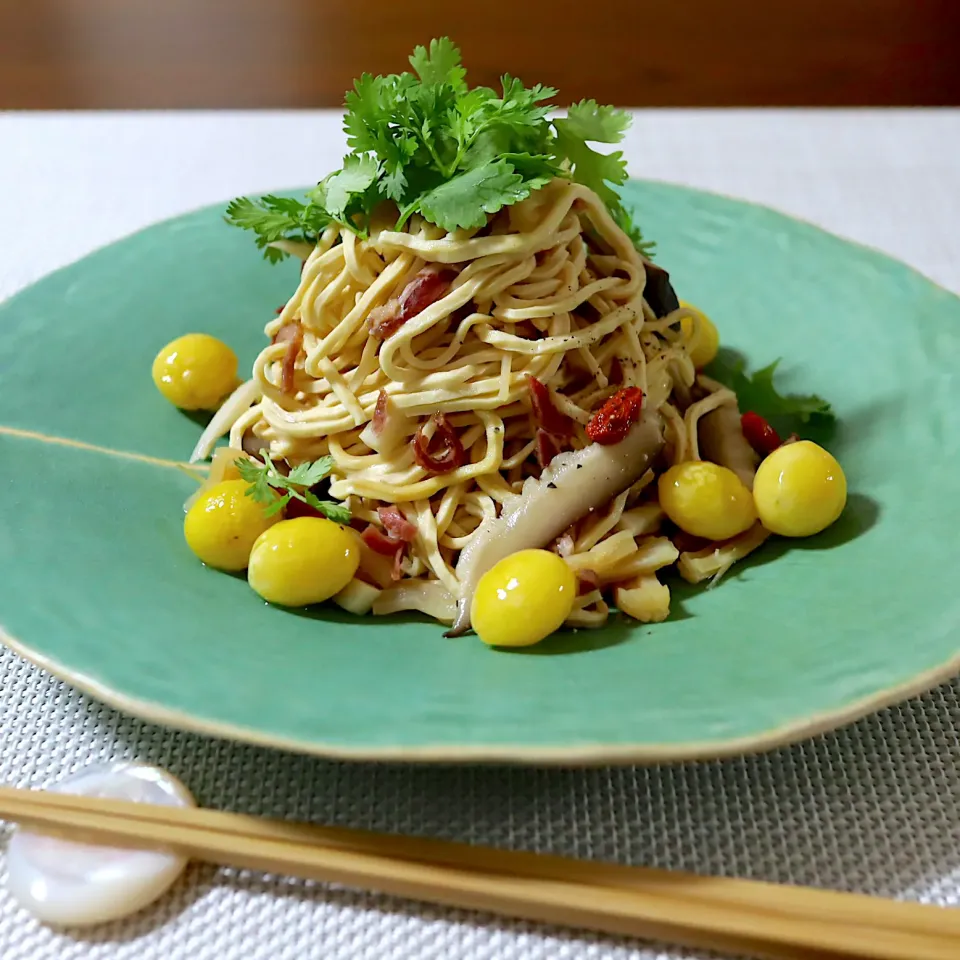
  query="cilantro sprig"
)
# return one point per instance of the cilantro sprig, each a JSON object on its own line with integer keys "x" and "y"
{"x": 434, "y": 146}
{"x": 278, "y": 218}
{"x": 266, "y": 481}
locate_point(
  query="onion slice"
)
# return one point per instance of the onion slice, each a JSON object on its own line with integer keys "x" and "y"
{"x": 230, "y": 411}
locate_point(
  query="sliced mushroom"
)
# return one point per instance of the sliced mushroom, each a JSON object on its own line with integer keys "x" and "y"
{"x": 715, "y": 560}
{"x": 658, "y": 291}
{"x": 574, "y": 484}
{"x": 722, "y": 441}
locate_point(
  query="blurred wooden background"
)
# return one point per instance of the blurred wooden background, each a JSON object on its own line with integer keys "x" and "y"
{"x": 304, "y": 53}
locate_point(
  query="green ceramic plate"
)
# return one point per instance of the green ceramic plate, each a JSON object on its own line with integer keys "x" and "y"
{"x": 97, "y": 585}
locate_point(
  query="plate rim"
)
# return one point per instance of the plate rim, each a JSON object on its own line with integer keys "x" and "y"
{"x": 586, "y": 754}
{"x": 783, "y": 735}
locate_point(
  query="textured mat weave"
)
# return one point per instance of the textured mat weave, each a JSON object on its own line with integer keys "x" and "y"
{"x": 874, "y": 807}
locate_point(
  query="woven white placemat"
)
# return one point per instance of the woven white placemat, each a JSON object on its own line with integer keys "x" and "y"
{"x": 874, "y": 807}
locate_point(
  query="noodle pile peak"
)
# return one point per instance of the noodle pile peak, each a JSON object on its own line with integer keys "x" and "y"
{"x": 483, "y": 401}
{"x": 427, "y": 143}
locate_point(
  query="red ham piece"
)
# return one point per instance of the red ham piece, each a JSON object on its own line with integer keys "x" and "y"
{"x": 451, "y": 455}
{"x": 428, "y": 286}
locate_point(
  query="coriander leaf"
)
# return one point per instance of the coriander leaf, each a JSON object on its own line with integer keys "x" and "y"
{"x": 277, "y": 504}
{"x": 395, "y": 154}
{"x": 271, "y": 221}
{"x": 518, "y": 105}
{"x": 358, "y": 173}
{"x": 427, "y": 142}
{"x": 367, "y": 105}
{"x": 598, "y": 171}
{"x": 533, "y": 166}
{"x": 329, "y": 508}
{"x": 318, "y": 194}
{"x": 758, "y": 393}
{"x": 277, "y": 218}
{"x": 394, "y": 183}
{"x": 473, "y": 101}
{"x": 307, "y": 474}
{"x": 258, "y": 477}
{"x": 265, "y": 481}
{"x": 588, "y": 121}
{"x": 592, "y": 169}
{"x": 439, "y": 64}
{"x": 465, "y": 200}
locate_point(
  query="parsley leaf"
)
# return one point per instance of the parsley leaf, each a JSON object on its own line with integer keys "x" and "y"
{"x": 592, "y": 169}
{"x": 588, "y": 121}
{"x": 343, "y": 190}
{"x": 307, "y": 474}
{"x": 277, "y": 218}
{"x": 331, "y": 509}
{"x": 758, "y": 393}
{"x": 266, "y": 481}
{"x": 431, "y": 145}
{"x": 439, "y": 64}
{"x": 367, "y": 107}
{"x": 466, "y": 200}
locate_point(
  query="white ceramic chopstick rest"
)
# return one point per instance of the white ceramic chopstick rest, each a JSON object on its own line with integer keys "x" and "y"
{"x": 78, "y": 884}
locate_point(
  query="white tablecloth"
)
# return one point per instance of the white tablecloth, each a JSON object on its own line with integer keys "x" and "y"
{"x": 875, "y": 807}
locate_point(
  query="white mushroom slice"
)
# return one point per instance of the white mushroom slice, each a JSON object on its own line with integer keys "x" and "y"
{"x": 722, "y": 441}
{"x": 573, "y": 484}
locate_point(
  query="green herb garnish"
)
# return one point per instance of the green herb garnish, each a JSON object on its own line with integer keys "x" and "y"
{"x": 757, "y": 392}
{"x": 277, "y": 218}
{"x": 265, "y": 481}
{"x": 453, "y": 154}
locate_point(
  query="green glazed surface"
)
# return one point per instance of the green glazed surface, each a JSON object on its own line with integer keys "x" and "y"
{"x": 97, "y": 585}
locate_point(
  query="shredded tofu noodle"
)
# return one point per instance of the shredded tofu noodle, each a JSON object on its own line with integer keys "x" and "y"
{"x": 408, "y": 357}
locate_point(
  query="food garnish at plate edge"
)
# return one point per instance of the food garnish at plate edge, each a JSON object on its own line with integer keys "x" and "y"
{"x": 484, "y": 401}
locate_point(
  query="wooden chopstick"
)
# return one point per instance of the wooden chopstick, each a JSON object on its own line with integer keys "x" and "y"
{"x": 739, "y": 916}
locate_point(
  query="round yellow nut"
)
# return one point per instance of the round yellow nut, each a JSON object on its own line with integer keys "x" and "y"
{"x": 706, "y": 500}
{"x": 799, "y": 490}
{"x": 195, "y": 372}
{"x": 523, "y": 599}
{"x": 703, "y": 339}
{"x": 303, "y": 561}
{"x": 222, "y": 525}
